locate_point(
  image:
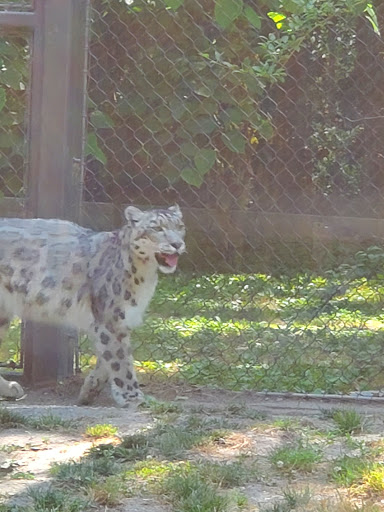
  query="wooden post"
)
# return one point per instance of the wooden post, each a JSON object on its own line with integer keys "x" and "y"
{"x": 57, "y": 121}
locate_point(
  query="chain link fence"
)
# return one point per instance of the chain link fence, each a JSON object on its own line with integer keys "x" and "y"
{"x": 15, "y": 53}
{"x": 265, "y": 122}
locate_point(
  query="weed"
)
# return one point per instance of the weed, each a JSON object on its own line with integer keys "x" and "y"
{"x": 348, "y": 421}
{"x": 286, "y": 424}
{"x": 85, "y": 472}
{"x": 295, "y": 457}
{"x": 49, "y": 421}
{"x": 295, "y": 498}
{"x": 349, "y": 470}
{"x": 11, "y": 419}
{"x": 226, "y": 475}
{"x": 133, "y": 447}
{"x": 22, "y": 476}
{"x": 101, "y": 430}
{"x": 373, "y": 479}
{"x": 110, "y": 492}
{"x": 55, "y": 500}
{"x": 190, "y": 492}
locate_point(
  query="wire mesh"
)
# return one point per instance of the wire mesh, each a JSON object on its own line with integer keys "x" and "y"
{"x": 264, "y": 121}
{"x": 14, "y": 91}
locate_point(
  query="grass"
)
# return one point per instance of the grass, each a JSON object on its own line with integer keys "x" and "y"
{"x": 49, "y": 421}
{"x": 52, "y": 500}
{"x": 348, "y": 421}
{"x": 297, "y": 456}
{"x": 182, "y": 462}
{"x": 11, "y": 419}
{"x": 293, "y": 499}
{"x": 86, "y": 472}
{"x": 188, "y": 491}
{"x": 364, "y": 472}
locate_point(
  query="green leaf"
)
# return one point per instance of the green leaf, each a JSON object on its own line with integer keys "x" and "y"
{"x": 253, "y": 18}
{"x": 3, "y": 98}
{"x": 266, "y": 129}
{"x": 93, "y": 148}
{"x": 189, "y": 149}
{"x": 11, "y": 77}
{"x": 227, "y": 11}
{"x": 178, "y": 108}
{"x": 8, "y": 140}
{"x": 173, "y": 4}
{"x": 357, "y": 6}
{"x": 192, "y": 176}
{"x": 204, "y": 160}
{"x": 232, "y": 115}
{"x": 293, "y": 6}
{"x": 100, "y": 120}
{"x": 202, "y": 124}
{"x": 235, "y": 141}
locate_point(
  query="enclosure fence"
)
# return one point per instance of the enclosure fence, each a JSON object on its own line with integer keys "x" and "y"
{"x": 264, "y": 121}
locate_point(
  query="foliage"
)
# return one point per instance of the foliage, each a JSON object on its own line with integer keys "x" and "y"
{"x": 295, "y": 457}
{"x": 100, "y": 430}
{"x": 193, "y": 113}
{"x": 14, "y": 72}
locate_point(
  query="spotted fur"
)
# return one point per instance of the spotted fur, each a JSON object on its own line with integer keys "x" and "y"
{"x": 58, "y": 272}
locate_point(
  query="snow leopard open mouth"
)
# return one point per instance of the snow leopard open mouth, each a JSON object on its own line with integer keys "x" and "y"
{"x": 167, "y": 260}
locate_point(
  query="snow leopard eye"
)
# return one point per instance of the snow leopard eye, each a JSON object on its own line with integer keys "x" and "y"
{"x": 158, "y": 228}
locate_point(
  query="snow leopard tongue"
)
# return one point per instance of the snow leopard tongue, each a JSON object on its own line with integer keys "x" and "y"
{"x": 171, "y": 259}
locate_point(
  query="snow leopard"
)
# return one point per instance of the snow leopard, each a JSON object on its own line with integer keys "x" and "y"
{"x": 57, "y": 272}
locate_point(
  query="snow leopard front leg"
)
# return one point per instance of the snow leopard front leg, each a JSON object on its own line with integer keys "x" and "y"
{"x": 8, "y": 389}
{"x": 115, "y": 365}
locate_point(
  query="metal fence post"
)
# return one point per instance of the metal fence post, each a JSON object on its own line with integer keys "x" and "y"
{"x": 56, "y": 154}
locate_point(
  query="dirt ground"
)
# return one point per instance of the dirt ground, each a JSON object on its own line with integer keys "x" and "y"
{"x": 37, "y": 450}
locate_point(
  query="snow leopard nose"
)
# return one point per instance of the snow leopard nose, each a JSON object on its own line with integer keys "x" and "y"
{"x": 176, "y": 245}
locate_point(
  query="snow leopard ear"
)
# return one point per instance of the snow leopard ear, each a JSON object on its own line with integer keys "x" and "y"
{"x": 176, "y": 210}
{"x": 133, "y": 214}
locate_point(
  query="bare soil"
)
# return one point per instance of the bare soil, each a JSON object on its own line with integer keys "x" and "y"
{"x": 35, "y": 451}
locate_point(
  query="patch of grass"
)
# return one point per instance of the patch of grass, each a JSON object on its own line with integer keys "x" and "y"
{"x": 49, "y": 421}
{"x": 133, "y": 447}
{"x": 11, "y": 419}
{"x": 188, "y": 491}
{"x": 373, "y": 479}
{"x": 227, "y": 474}
{"x": 348, "y": 421}
{"x": 109, "y": 492}
{"x": 86, "y": 472}
{"x": 293, "y": 499}
{"x": 349, "y": 470}
{"x": 286, "y": 424}
{"x": 296, "y": 457}
{"x": 20, "y": 475}
{"x": 54, "y": 500}
{"x": 101, "y": 430}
